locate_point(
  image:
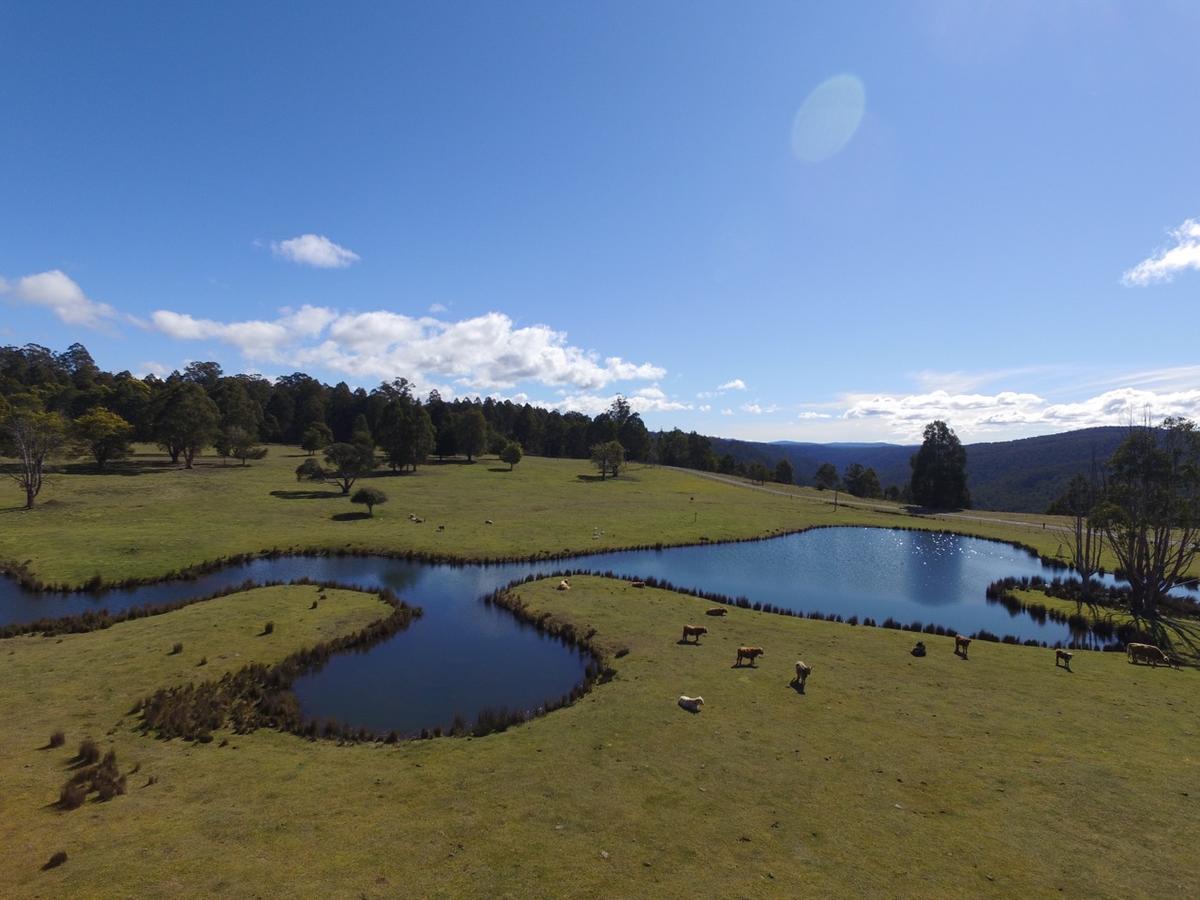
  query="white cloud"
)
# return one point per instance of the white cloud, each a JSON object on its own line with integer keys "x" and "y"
{"x": 482, "y": 353}
{"x": 152, "y": 368}
{"x": 55, "y": 291}
{"x": 978, "y": 415}
{"x": 756, "y": 409}
{"x": 735, "y": 385}
{"x": 727, "y": 411}
{"x": 436, "y": 308}
{"x": 705, "y": 407}
{"x": 1164, "y": 265}
{"x": 809, "y": 414}
{"x": 315, "y": 250}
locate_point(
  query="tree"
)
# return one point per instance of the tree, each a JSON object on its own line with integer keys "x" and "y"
{"x": 405, "y": 433}
{"x": 861, "y": 482}
{"x": 1085, "y": 540}
{"x": 361, "y": 432}
{"x": 31, "y": 436}
{"x": 239, "y": 443}
{"x": 783, "y": 472}
{"x": 758, "y": 472}
{"x": 370, "y": 498}
{"x": 344, "y": 464}
{"x": 470, "y": 429}
{"x": 1151, "y": 510}
{"x": 316, "y": 437}
{"x": 939, "y": 470}
{"x": 511, "y": 454}
{"x": 608, "y": 456}
{"x": 826, "y": 478}
{"x": 186, "y": 421}
{"x": 102, "y": 435}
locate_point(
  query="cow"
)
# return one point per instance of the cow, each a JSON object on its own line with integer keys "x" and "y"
{"x": 960, "y": 645}
{"x": 750, "y": 653}
{"x": 803, "y": 670}
{"x": 1146, "y": 653}
{"x": 1063, "y": 657}
{"x": 691, "y": 704}
{"x": 692, "y": 631}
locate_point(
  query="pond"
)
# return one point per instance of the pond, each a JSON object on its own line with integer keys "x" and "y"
{"x": 463, "y": 656}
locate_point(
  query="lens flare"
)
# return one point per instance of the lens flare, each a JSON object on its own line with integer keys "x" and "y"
{"x": 828, "y": 118}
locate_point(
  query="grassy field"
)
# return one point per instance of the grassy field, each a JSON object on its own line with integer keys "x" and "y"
{"x": 896, "y": 776}
{"x": 147, "y": 518}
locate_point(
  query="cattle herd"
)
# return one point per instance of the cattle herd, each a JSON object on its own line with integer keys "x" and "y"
{"x": 1136, "y": 653}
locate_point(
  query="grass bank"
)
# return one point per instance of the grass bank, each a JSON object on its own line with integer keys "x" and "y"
{"x": 997, "y": 776}
{"x": 147, "y": 518}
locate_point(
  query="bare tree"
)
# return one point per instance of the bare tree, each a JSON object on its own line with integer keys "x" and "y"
{"x": 1151, "y": 510}
{"x": 32, "y": 437}
{"x": 1085, "y": 540}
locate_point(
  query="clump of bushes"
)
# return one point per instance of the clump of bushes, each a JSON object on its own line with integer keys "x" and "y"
{"x": 57, "y": 739}
{"x": 269, "y": 628}
{"x": 177, "y": 648}
{"x": 88, "y": 753}
{"x": 55, "y": 861}
{"x": 103, "y": 779}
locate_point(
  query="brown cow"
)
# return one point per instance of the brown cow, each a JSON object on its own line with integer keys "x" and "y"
{"x": 960, "y": 645}
{"x": 750, "y": 653}
{"x": 803, "y": 670}
{"x": 692, "y": 631}
{"x": 1064, "y": 657}
{"x": 715, "y": 611}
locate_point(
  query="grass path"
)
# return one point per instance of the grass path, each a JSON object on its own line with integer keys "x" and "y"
{"x": 892, "y": 776}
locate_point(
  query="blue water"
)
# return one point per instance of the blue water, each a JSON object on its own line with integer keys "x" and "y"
{"x": 463, "y": 656}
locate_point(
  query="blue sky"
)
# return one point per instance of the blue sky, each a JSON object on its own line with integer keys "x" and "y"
{"x": 801, "y": 221}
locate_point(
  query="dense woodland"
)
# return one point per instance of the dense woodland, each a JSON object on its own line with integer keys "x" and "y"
{"x": 298, "y": 409}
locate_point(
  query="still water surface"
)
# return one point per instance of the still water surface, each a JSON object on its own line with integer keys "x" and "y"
{"x": 463, "y": 656}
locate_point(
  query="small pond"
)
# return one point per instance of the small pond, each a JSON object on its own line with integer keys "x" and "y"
{"x": 463, "y": 656}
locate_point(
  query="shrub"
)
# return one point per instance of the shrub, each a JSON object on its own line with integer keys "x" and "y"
{"x": 203, "y": 661}
{"x": 177, "y": 648}
{"x": 268, "y": 628}
{"x": 88, "y": 752}
{"x": 72, "y": 795}
{"x": 55, "y": 861}
{"x": 57, "y": 739}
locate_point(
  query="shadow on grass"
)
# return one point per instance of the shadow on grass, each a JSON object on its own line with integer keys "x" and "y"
{"x": 307, "y": 495}
{"x": 350, "y": 516}
{"x": 682, "y": 642}
{"x": 499, "y": 469}
{"x": 798, "y": 687}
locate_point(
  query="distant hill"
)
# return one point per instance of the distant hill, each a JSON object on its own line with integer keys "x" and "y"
{"x": 1022, "y": 476}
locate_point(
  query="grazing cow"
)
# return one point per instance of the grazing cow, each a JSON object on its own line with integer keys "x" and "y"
{"x": 803, "y": 670}
{"x": 960, "y": 645}
{"x": 919, "y": 649}
{"x": 693, "y": 631}
{"x": 691, "y": 704}
{"x": 1064, "y": 657}
{"x": 1146, "y": 653}
{"x": 488, "y": 522}
{"x": 750, "y": 653}
{"x": 564, "y": 585}
{"x": 441, "y": 528}
{"x": 715, "y": 611}
{"x": 637, "y": 584}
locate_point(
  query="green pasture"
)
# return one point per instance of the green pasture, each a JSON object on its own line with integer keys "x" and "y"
{"x": 147, "y": 518}
{"x": 1002, "y": 775}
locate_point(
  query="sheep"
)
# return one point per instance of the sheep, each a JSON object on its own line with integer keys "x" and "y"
{"x": 716, "y": 611}
{"x": 960, "y": 645}
{"x": 564, "y": 585}
{"x": 692, "y": 631}
{"x": 803, "y": 670}
{"x": 691, "y": 704}
{"x": 750, "y": 653}
{"x": 1064, "y": 657}
{"x": 1146, "y": 653}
